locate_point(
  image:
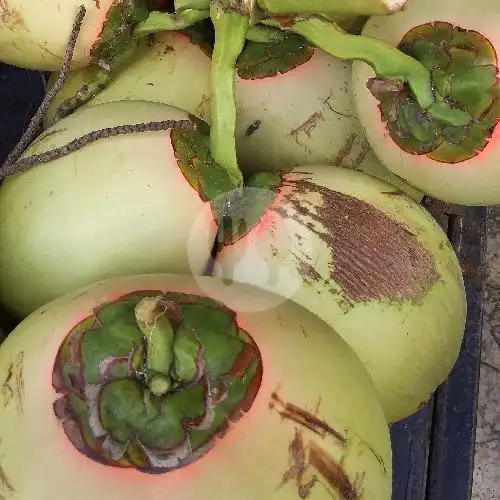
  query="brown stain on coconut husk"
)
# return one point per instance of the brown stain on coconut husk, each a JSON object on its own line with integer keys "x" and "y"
{"x": 11, "y": 18}
{"x": 305, "y": 418}
{"x": 345, "y": 151}
{"x": 6, "y": 487}
{"x": 306, "y": 128}
{"x": 310, "y": 464}
{"x": 13, "y": 385}
{"x": 374, "y": 256}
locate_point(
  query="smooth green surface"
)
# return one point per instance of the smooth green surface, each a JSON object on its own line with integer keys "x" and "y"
{"x": 351, "y": 7}
{"x": 230, "y": 34}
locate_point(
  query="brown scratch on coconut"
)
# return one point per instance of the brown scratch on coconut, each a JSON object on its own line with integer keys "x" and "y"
{"x": 309, "y": 463}
{"x": 307, "y": 127}
{"x": 12, "y": 18}
{"x": 374, "y": 256}
{"x": 345, "y": 151}
{"x": 13, "y": 386}
{"x": 306, "y": 419}
{"x": 6, "y": 487}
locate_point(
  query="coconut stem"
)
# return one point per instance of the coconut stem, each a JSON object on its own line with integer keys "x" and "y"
{"x": 191, "y": 4}
{"x": 163, "y": 21}
{"x": 88, "y": 91}
{"x": 80, "y": 142}
{"x": 387, "y": 61}
{"x": 231, "y": 29}
{"x": 358, "y": 7}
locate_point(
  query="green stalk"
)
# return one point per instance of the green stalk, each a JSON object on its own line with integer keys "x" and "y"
{"x": 264, "y": 34}
{"x": 154, "y": 324}
{"x": 231, "y": 29}
{"x": 352, "y": 7}
{"x": 163, "y": 21}
{"x": 387, "y": 61}
{"x": 191, "y": 4}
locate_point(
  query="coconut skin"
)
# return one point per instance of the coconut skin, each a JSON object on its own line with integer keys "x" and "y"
{"x": 155, "y": 69}
{"x": 373, "y": 264}
{"x": 34, "y": 35}
{"x": 119, "y": 205}
{"x": 330, "y": 373}
{"x": 475, "y": 181}
{"x": 318, "y": 127}
{"x": 275, "y": 130}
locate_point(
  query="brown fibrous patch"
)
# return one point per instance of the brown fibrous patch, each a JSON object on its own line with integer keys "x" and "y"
{"x": 307, "y": 126}
{"x": 12, "y": 18}
{"x": 13, "y": 385}
{"x": 5, "y": 483}
{"x": 331, "y": 471}
{"x": 373, "y": 256}
{"x": 309, "y": 463}
{"x": 345, "y": 151}
{"x": 360, "y": 158}
{"x": 305, "y": 418}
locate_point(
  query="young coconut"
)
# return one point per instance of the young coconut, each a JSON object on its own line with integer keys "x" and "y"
{"x": 367, "y": 259}
{"x": 274, "y": 131}
{"x": 158, "y": 71}
{"x": 34, "y": 35}
{"x": 458, "y": 41}
{"x": 295, "y": 107}
{"x": 95, "y": 209}
{"x": 158, "y": 386}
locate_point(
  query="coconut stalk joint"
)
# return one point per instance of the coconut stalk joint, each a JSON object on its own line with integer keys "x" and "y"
{"x": 151, "y": 381}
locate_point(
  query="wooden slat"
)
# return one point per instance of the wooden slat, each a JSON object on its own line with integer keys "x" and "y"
{"x": 434, "y": 449}
{"x": 454, "y": 418}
